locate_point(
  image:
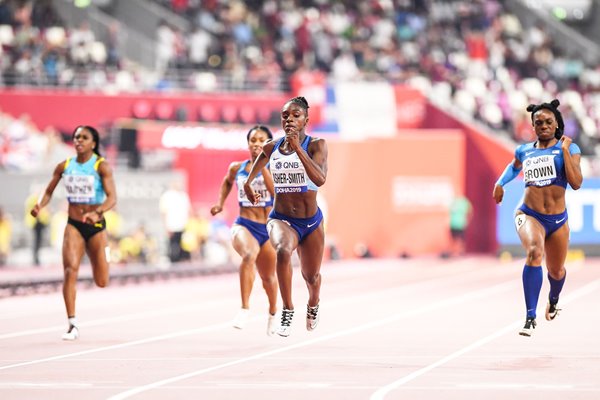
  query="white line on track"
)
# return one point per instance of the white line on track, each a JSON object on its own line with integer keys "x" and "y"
{"x": 380, "y": 394}
{"x": 448, "y": 302}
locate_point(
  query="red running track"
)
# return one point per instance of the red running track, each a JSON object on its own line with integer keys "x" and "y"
{"x": 390, "y": 329}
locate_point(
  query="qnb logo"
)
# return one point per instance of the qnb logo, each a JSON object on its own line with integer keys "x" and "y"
{"x": 287, "y": 164}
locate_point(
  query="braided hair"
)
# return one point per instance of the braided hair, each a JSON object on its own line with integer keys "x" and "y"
{"x": 301, "y": 101}
{"x": 552, "y": 106}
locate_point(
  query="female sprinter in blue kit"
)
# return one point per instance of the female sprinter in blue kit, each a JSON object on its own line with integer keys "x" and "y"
{"x": 249, "y": 231}
{"x": 298, "y": 163}
{"x": 548, "y": 164}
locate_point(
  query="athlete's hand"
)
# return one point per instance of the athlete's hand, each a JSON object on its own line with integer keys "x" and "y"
{"x": 565, "y": 142}
{"x": 293, "y": 139}
{"x": 498, "y": 193}
{"x": 252, "y": 196}
{"x": 216, "y": 209}
{"x": 91, "y": 217}
{"x": 35, "y": 211}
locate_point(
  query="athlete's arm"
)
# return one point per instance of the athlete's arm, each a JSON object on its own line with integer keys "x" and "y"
{"x": 226, "y": 186}
{"x": 572, "y": 164}
{"x": 45, "y": 199}
{"x": 259, "y": 164}
{"x": 511, "y": 172}
{"x": 315, "y": 164}
{"x": 108, "y": 183}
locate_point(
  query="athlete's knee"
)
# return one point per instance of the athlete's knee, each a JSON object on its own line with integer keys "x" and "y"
{"x": 283, "y": 251}
{"x": 535, "y": 253}
{"x": 312, "y": 278}
{"x": 249, "y": 257}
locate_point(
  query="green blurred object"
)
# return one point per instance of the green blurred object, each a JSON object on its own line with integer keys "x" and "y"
{"x": 82, "y": 3}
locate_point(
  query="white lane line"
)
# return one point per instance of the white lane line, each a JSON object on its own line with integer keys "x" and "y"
{"x": 113, "y": 320}
{"x": 122, "y": 345}
{"x": 448, "y": 302}
{"x": 380, "y": 393}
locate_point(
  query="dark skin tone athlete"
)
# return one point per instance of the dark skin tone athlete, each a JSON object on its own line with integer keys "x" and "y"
{"x": 294, "y": 119}
{"x": 74, "y": 245}
{"x": 547, "y": 200}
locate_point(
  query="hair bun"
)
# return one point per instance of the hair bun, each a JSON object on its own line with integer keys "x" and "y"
{"x": 531, "y": 107}
{"x": 555, "y": 103}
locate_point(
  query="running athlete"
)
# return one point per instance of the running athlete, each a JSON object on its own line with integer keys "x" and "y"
{"x": 249, "y": 232}
{"x": 90, "y": 190}
{"x": 298, "y": 163}
{"x": 548, "y": 164}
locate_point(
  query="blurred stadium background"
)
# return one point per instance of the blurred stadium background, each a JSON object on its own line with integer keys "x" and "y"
{"x": 420, "y": 101}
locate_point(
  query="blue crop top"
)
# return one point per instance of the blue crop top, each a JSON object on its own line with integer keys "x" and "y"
{"x": 82, "y": 181}
{"x": 544, "y": 167}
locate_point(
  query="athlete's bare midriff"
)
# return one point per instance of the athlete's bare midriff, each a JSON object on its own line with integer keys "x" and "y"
{"x": 77, "y": 210}
{"x": 256, "y": 214}
{"x": 297, "y": 205}
{"x": 545, "y": 200}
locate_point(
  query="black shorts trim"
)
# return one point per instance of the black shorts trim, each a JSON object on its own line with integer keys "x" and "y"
{"x": 87, "y": 230}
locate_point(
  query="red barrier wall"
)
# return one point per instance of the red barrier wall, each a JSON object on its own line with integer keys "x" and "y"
{"x": 67, "y": 109}
{"x": 486, "y": 158}
{"x": 393, "y": 194}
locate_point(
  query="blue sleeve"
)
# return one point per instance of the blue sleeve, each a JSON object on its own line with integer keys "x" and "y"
{"x": 574, "y": 149}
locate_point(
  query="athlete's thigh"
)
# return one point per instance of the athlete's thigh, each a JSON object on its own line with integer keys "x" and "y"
{"x": 73, "y": 247}
{"x": 557, "y": 246}
{"x": 266, "y": 260}
{"x": 282, "y": 235}
{"x": 310, "y": 251}
{"x": 243, "y": 242}
{"x": 530, "y": 230}
{"x": 98, "y": 252}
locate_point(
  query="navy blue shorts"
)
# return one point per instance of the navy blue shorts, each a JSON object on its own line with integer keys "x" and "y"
{"x": 550, "y": 222}
{"x": 302, "y": 226}
{"x": 258, "y": 230}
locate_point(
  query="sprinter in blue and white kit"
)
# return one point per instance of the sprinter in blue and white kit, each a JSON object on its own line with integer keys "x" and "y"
{"x": 249, "y": 232}
{"x": 90, "y": 190}
{"x": 298, "y": 163}
{"x": 548, "y": 165}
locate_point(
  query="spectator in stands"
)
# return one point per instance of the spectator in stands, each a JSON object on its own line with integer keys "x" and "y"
{"x": 5, "y": 236}
{"x": 175, "y": 208}
{"x": 37, "y": 224}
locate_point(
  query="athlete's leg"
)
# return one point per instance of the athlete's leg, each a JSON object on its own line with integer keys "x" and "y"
{"x": 72, "y": 252}
{"x": 247, "y": 247}
{"x": 284, "y": 240}
{"x": 266, "y": 264}
{"x": 531, "y": 233}
{"x": 310, "y": 252}
{"x": 97, "y": 251}
{"x": 557, "y": 246}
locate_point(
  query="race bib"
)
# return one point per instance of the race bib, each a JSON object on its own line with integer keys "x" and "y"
{"x": 289, "y": 176}
{"x": 259, "y": 187}
{"x": 80, "y": 188}
{"x": 539, "y": 171}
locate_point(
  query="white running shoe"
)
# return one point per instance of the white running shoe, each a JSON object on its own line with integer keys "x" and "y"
{"x": 286, "y": 323}
{"x": 552, "y": 311}
{"x": 272, "y": 324}
{"x": 312, "y": 317}
{"x": 528, "y": 328}
{"x": 71, "y": 334}
{"x": 241, "y": 318}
